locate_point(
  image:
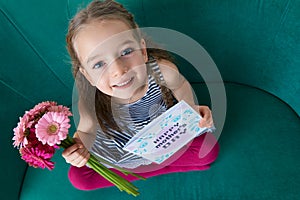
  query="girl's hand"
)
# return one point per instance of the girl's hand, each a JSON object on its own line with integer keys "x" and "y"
{"x": 77, "y": 155}
{"x": 207, "y": 120}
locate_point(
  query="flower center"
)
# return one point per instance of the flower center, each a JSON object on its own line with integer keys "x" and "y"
{"x": 52, "y": 129}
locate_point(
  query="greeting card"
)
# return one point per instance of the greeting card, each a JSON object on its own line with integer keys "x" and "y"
{"x": 167, "y": 134}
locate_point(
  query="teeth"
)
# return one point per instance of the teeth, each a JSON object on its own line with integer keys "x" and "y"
{"x": 122, "y": 84}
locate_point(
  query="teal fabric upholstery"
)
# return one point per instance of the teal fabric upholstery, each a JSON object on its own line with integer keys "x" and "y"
{"x": 258, "y": 160}
{"x": 256, "y": 47}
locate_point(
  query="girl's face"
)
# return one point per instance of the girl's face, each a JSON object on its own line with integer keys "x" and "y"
{"x": 112, "y": 59}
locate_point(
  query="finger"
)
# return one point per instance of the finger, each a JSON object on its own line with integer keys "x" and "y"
{"x": 75, "y": 157}
{"x": 72, "y": 156}
{"x": 206, "y": 123}
{"x": 77, "y": 140}
{"x": 68, "y": 151}
{"x": 78, "y": 144}
{"x": 205, "y": 112}
{"x": 84, "y": 160}
{"x": 81, "y": 159}
{"x": 202, "y": 123}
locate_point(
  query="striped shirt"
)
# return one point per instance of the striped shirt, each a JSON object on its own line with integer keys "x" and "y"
{"x": 131, "y": 118}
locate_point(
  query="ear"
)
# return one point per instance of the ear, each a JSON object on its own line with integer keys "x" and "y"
{"x": 144, "y": 50}
{"x": 86, "y": 75}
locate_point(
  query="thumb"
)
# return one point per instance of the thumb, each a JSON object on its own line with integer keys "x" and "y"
{"x": 78, "y": 141}
{"x": 204, "y": 112}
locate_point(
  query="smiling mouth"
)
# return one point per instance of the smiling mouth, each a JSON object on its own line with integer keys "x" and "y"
{"x": 124, "y": 84}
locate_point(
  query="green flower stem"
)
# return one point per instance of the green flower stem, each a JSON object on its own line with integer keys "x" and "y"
{"x": 101, "y": 171}
{"x": 69, "y": 140}
{"x": 93, "y": 160}
{"x": 116, "y": 167}
{"x": 121, "y": 183}
{"x": 110, "y": 177}
{"x": 95, "y": 164}
{"x": 63, "y": 145}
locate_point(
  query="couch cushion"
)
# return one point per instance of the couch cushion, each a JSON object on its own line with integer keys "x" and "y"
{"x": 258, "y": 159}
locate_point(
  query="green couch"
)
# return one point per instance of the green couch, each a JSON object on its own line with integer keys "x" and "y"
{"x": 256, "y": 47}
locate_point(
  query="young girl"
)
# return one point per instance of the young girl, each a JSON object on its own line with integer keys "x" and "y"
{"x": 132, "y": 85}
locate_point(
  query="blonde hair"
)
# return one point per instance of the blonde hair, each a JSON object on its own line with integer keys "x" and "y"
{"x": 102, "y": 10}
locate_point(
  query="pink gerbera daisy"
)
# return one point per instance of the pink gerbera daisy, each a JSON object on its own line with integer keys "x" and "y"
{"x": 38, "y": 157}
{"x": 20, "y": 132}
{"x": 40, "y": 108}
{"x": 52, "y": 128}
{"x": 61, "y": 109}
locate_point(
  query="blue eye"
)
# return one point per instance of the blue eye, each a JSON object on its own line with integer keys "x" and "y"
{"x": 99, "y": 65}
{"x": 127, "y": 51}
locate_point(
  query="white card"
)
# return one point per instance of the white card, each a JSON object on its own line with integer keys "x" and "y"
{"x": 167, "y": 134}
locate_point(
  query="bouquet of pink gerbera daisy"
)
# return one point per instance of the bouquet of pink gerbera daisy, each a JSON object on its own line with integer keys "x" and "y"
{"x": 43, "y": 129}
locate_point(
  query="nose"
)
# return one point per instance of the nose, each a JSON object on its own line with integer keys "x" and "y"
{"x": 117, "y": 68}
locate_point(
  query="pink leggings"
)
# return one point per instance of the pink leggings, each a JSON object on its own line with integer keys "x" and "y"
{"x": 85, "y": 178}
